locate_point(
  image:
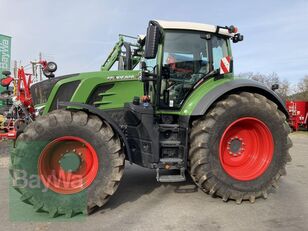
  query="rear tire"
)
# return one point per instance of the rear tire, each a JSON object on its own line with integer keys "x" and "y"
{"x": 30, "y": 155}
{"x": 209, "y": 166}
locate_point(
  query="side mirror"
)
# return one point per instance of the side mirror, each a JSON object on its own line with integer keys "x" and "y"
{"x": 225, "y": 65}
{"x": 275, "y": 87}
{"x": 151, "y": 41}
{"x": 238, "y": 38}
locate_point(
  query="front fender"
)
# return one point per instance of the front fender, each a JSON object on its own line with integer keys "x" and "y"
{"x": 103, "y": 116}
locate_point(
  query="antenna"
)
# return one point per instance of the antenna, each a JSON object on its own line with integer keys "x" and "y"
{"x": 128, "y": 36}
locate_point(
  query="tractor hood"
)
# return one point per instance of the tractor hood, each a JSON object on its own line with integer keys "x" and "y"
{"x": 81, "y": 87}
{"x": 41, "y": 90}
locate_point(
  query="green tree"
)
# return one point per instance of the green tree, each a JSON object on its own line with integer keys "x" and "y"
{"x": 270, "y": 79}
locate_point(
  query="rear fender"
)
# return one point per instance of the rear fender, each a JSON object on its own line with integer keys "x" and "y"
{"x": 237, "y": 86}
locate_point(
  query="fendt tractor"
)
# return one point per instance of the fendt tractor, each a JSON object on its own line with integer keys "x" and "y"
{"x": 173, "y": 106}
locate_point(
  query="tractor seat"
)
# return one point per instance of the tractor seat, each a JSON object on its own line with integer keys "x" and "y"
{"x": 5, "y": 82}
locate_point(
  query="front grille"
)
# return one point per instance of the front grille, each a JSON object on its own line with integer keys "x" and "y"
{"x": 64, "y": 94}
{"x": 41, "y": 91}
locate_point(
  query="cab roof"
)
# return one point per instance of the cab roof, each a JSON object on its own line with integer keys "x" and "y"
{"x": 192, "y": 26}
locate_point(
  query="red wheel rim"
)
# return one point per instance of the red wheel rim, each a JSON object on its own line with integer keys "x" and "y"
{"x": 57, "y": 155}
{"x": 246, "y": 149}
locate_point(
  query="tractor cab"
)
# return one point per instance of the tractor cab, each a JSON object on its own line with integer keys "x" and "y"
{"x": 180, "y": 56}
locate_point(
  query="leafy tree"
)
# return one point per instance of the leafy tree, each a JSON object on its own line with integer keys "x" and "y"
{"x": 301, "y": 90}
{"x": 270, "y": 79}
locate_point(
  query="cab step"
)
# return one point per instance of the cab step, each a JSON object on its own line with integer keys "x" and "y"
{"x": 171, "y": 178}
{"x": 169, "y": 127}
{"x": 171, "y": 160}
{"x": 170, "y": 143}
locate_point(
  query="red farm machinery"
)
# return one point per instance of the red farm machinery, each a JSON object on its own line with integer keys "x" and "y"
{"x": 298, "y": 111}
{"x": 19, "y": 110}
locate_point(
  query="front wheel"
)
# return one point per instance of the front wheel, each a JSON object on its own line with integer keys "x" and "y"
{"x": 67, "y": 163}
{"x": 240, "y": 148}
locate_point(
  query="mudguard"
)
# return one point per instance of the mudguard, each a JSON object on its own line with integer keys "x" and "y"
{"x": 103, "y": 116}
{"x": 235, "y": 86}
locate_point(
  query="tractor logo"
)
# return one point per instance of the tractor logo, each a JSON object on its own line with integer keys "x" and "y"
{"x": 121, "y": 77}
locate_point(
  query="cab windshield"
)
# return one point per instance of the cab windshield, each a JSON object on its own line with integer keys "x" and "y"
{"x": 186, "y": 55}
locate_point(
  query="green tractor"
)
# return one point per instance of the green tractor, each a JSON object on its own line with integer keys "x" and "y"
{"x": 180, "y": 110}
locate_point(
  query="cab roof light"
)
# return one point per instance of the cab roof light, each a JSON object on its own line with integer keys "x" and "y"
{"x": 232, "y": 29}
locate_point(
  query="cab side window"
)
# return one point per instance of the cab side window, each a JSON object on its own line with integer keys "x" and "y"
{"x": 220, "y": 50}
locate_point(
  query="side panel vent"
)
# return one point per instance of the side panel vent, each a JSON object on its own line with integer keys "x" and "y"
{"x": 98, "y": 94}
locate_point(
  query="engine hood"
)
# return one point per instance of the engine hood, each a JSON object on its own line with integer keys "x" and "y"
{"x": 81, "y": 87}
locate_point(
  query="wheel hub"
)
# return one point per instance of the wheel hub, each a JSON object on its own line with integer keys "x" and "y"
{"x": 236, "y": 146}
{"x": 246, "y": 149}
{"x": 70, "y": 162}
{"x": 68, "y": 165}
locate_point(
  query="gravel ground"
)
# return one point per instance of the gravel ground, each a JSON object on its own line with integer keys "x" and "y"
{"x": 143, "y": 204}
{"x": 4, "y": 158}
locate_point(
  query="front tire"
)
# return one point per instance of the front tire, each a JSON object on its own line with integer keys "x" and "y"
{"x": 240, "y": 148}
{"x": 67, "y": 163}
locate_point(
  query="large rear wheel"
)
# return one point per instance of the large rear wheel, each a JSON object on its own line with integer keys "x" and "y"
{"x": 67, "y": 163}
{"x": 239, "y": 149}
